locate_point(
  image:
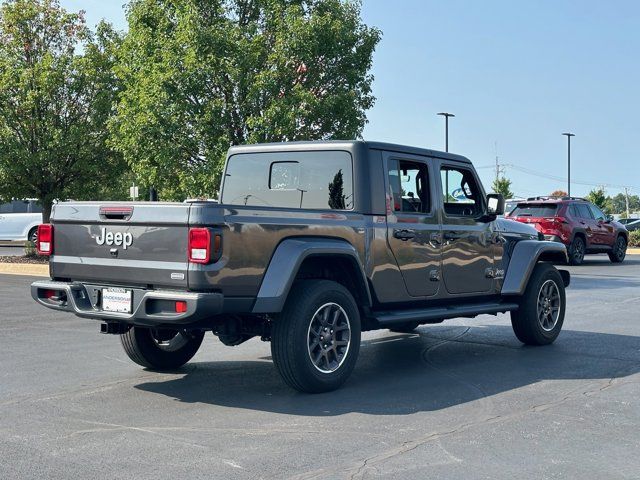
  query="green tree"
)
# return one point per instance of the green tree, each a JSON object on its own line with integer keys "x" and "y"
{"x": 336, "y": 192}
{"x": 57, "y": 90}
{"x": 598, "y": 197}
{"x": 202, "y": 75}
{"x": 502, "y": 185}
{"x": 619, "y": 203}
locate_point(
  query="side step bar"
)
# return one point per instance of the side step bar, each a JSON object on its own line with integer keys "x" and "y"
{"x": 441, "y": 313}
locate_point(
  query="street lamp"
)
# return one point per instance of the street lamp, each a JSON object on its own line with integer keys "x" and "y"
{"x": 568, "y": 135}
{"x": 446, "y": 129}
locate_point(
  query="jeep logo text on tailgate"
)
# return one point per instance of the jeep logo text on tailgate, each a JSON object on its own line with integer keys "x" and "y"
{"x": 117, "y": 238}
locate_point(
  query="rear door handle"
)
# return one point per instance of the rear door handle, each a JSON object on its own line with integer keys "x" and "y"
{"x": 404, "y": 234}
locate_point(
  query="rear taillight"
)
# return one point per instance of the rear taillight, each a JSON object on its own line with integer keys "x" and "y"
{"x": 205, "y": 245}
{"x": 199, "y": 245}
{"x": 44, "y": 244}
{"x": 556, "y": 220}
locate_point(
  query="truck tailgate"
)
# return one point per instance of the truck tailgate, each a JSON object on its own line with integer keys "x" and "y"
{"x": 124, "y": 243}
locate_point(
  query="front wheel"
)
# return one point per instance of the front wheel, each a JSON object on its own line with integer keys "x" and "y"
{"x": 540, "y": 316}
{"x": 161, "y": 349}
{"x": 316, "y": 339}
{"x": 619, "y": 250}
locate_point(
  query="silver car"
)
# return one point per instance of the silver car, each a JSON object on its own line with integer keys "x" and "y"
{"x": 19, "y": 220}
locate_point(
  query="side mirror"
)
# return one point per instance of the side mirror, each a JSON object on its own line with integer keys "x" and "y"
{"x": 609, "y": 218}
{"x": 495, "y": 204}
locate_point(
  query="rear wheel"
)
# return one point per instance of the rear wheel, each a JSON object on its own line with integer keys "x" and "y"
{"x": 540, "y": 316}
{"x": 33, "y": 235}
{"x": 160, "y": 349}
{"x": 316, "y": 339}
{"x": 619, "y": 250}
{"x": 576, "y": 251}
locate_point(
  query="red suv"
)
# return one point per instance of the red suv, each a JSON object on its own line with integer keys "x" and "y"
{"x": 577, "y": 223}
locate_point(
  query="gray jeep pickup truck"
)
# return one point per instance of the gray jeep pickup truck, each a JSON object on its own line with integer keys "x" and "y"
{"x": 311, "y": 244}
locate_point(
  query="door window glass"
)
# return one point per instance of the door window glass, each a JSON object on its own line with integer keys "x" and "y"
{"x": 597, "y": 213}
{"x": 461, "y": 194}
{"x": 6, "y": 208}
{"x": 409, "y": 183}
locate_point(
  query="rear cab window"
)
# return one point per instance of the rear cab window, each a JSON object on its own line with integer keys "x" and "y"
{"x": 533, "y": 210}
{"x": 303, "y": 180}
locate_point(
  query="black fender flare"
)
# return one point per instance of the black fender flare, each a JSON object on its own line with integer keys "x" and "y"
{"x": 581, "y": 231}
{"x": 526, "y": 253}
{"x": 286, "y": 262}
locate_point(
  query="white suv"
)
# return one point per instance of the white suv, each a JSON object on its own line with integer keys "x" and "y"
{"x": 19, "y": 220}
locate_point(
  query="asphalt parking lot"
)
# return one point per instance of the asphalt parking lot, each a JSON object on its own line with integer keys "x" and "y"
{"x": 458, "y": 400}
{"x": 11, "y": 250}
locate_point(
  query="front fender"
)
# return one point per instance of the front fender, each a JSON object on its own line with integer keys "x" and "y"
{"x": 526, "y": 253}
{"x": 286, "y": 261}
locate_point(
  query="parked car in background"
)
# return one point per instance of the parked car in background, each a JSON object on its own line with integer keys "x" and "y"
{"x": 19, "y": 220}
{"x": 577, "y": 223}
{"x": 630, "y": 224}
{"x": 511, "y": 203}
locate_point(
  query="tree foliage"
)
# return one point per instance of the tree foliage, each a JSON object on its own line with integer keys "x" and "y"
{"x": 57, "y": 90}
{"x": 598, "y": 197}
{"x": 201, "y": 75}
{"x": 502, "y": 185}
{"x": 559, "y": 193}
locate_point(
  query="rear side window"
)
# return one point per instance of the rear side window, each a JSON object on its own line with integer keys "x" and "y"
{"x": 314, "y": 180}
{"x": 584, "y": 211}
{"x": 409, "y": 182}
{"x": 6, "y": 208}
{"x": 534, "y": 211}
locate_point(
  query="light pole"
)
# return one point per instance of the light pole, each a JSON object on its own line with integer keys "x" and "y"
{"x": 568, "y": 135}
{"x": 446, "y": 129}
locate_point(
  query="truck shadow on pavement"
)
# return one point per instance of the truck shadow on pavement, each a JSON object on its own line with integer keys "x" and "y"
{"x": 440, "y": 367}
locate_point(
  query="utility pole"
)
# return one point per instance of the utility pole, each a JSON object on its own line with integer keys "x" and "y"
{"x": 626, "y": 195}
{"x": 568, "y": 135}
{"x": 497, "y": 164}
{"x": 446, "y": 129}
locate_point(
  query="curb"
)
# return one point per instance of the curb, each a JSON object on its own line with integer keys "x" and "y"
{"x": 633, "y": 251}
{"x": 24, "y": 269}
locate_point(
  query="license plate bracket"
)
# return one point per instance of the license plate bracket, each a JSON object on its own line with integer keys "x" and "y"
{"x": 117, "y": 300}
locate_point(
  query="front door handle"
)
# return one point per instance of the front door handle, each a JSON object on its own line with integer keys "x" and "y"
{"x": 404, "y": 234}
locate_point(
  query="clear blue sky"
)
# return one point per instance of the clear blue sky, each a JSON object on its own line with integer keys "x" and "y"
{"x": 514, "y": 73}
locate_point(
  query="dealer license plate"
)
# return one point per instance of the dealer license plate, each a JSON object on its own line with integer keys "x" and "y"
{"x": 116, "y": 300}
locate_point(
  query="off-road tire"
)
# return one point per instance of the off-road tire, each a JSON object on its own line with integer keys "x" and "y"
{"x": 141, "y": 346}
{"x": 619, "y": 251}
{"x": 525, "y": 320}
{"x": 408, "y": 327}
{"x": 292, "y": 336}
{"x": 576, "y": 251}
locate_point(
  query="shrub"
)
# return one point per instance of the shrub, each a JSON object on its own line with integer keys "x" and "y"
{"x": 634, "y": 238}
{"x": 30, "y": 250}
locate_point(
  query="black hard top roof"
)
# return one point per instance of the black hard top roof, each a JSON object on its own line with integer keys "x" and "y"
{"x": 344, "y": 144}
